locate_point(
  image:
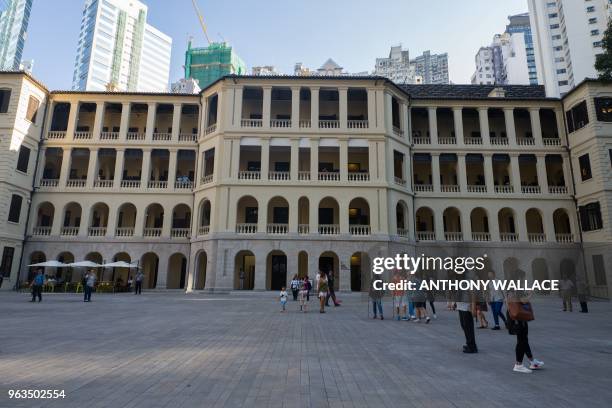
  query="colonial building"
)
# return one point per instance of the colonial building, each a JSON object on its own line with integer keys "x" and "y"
{"x": 265, "y": 177}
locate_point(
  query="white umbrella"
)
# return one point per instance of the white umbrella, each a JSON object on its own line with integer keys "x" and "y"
{"x": 51, "y": 264}
{"x": 120, "y": 264}
{"x": 85, "y": 264}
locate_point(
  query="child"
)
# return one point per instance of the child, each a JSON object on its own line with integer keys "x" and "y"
{"x": 283, "y": 298}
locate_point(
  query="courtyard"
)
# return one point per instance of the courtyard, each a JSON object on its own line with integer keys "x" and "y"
{"x": 236, "y": 350}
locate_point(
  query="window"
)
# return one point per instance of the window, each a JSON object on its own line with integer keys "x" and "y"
{"x": 610, "y": 153}
{"x": 599, "y": 270}
{"x": 33, "y": 105}
{"x": 553, "y": 15}
{"x": 585, "y": 167}
{"x": 561, "y": 71}
{"x": 7, "y": 261}
{"x": 5, "y": 96}
{"x": 603, "y": 108}
{"x": 590, "y": 217}
{"x": 593, "y": 20}
{"x": 15, "y": 209}
{"x": 23, "y": 160}
{"x": 577, "y": 117}
{"x": 563, "y": 83}
{"x": 597, "y": 44}
{"x": 590, "y": 9}
{"x": 594, "y": 32}
{"x": 553, "y": 26}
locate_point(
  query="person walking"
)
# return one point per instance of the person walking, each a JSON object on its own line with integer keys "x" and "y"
{"x": 139, "y": 279}
{"x": 130, "y": 282}
{"x": 37, "y": 285}
{"x": 583, "y": 295}
{"x": 517, "y": 325}
{"x": 466, "y": 305}
{"x": 304, "y": 294}
{"x": 376, "y": 298}
{"x": 430, "y": 295}
{"x": 283, "y": 299}
{"x": 566, "y": 287}
{"x": 241, "y": 276}
{"x": 331, "y": 293}
{"x": 322, "y": 290}
{"x": 496, "y": 301}
{"x": 418, "y": 299}
{"x": 90, "y": 281}
{"x": 398, "y": 297}
{"x": 295, "y": 287}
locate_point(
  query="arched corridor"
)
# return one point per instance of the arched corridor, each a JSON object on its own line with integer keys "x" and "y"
{"x": 200, "y": 275}
{"x": 244, "y": 271}
{"x": 276, "y": 267}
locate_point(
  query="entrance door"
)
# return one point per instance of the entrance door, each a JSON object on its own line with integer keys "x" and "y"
{"x": 279, "y": 272}
{"x": 326, "y": 264}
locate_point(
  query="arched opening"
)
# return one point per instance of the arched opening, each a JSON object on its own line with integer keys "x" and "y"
{"x": 44, "y": 219}
{"x": 330, "y": 264}
{"x": 563, "y": 229}
{"x": 93, "y": 257}
{"x": 360, "y": 272}
{"x": 244, "y": 271}
{"x": 303, "y": 215}
{"x": 425, "y": 224}
{"x": 539, "y": 271}
{"x": 401, "y": 218}
{"x": 98, "y": 220}
{"x": 359, "y": 217}
{"x": 507, "y": 231}
{"x": 276, "y": 267}
{"x": 200, "y": 276}
{"x": 511, "y": 269}
{"x": 72, "y": 219}
{"x": 120, "y": 275}
{"x": 568, "y": 270}
{"x": 329, "y": 216}
{"x": 64, "y": 274}
{"x": 247, "y": 215}
{"x": 479, "y": 221}
{"x": 278, "y": 216}
{"x": 302, "y": 264}
{"x": 150, "y": 266}
{"x": 535, "y": 228}
{"x": 126, "y": 220}
{"x": 177, "y": 271}
{"x": 204, "y": 226}
{"x": 451, "y": 218}
{"x": 181, "y": 221}
{"x": 154, "y": 220}
{"x": 35, "y": 257}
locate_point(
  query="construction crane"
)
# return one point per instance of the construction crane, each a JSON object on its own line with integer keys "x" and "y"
{"x": 197, "y": 10}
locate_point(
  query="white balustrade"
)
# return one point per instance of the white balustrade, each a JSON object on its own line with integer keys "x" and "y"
{"x": 359, "y": 177}
{"x": 135, "y": 136}
{"x": 56, "y": 134}
{"x": 103, "y": 183}
{"x": 82, "y": 135}
{"x": 152, "y": 232}
{"x": 359, "y": 229}
{"x": 453, "y": 236}
{"x": 551, "y": 141}
{"x": 530, "y": 189}
{"x": 357, "y": 124}
{"x": 157, "y": 184}
{"x": 536, "y": 237}
{"x": 557, "y": 189}
{"x": 399, "y": 181}
{"x": 397, "y": 131}
{"x": 49, "y": 182}
{"x": 96, "y": 231}
{"x": 329, "y": 124}
{"x": 109, "y": 135}
{"x": 42, "y": 231}
{"x": 447, "y": 140}
{"x": 249, "y": 175}
{"x": 76, "y": 183}
{"x": 303, "y": 175}
{"x": 329, "y": 176}
{"x": 421, "y": 140}
{"x": 499, "y": 141}
{"x": 402, "y": 232}
{"x": 305, "y": 123}
{"x": 211, "y": 129}
{"x": 179, "y": 233}
{"x": 278, "y": 175}
{"x": 472, "y": 188}
{"x": 206, "y": 179}
{"x": 565, "y": 238}
{"x": 280, "y": 123}
{"x": 183, "y": 184}
{"x": 525, "y": 141}
{"x": 204, "y": 230}
{"x": 504, "y": 189}
{"x": 303, "y": 229}
{"x": 251, "y": 123}
{"x": 420, "y": 188}
{"x": 130, "y": 183}
{"x": 246, "y": 228}
{"x": 426, "y": 236}
{"x": 124, "y": 231}
{"x": 508, "y": 236}
{"x": 473, "y": 140}
{"x": 329, "y": 229}
{"x": 162, "y": 136}
{"x": 69, "y": 231}
{"x": 481, "y": 236}
{"x": 449, "y": 188}
{"x": 188, "y": 137}
{"x": 277, "y": 228}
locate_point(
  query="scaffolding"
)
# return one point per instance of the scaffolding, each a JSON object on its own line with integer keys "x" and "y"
{"x": 207, "y": 64}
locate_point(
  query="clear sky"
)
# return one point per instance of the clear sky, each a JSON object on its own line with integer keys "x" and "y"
{"x": 282, "y": 32}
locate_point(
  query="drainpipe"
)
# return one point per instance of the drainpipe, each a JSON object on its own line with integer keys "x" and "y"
{"x": 27, "y": 221}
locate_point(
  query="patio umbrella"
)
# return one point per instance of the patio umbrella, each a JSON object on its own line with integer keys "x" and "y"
{"x": 51, "y": 264}
{"x": 120, "y": 264}
{"x": 85, "y": 264}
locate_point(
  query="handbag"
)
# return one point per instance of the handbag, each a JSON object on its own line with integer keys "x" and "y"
{"x": 521, "y": 311}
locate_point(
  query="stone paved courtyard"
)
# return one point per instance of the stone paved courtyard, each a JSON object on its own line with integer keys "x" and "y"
{"x": 237, "y": 350}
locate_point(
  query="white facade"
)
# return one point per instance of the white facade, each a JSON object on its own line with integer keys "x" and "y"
{"x": 185, "y": 85}
{"x": 14, "y": 18}
{"x": 503, "y": 62}
{"x": 265, "y": 70}
{"x": 397, "y": 67}
{"x": 119, "y": 51}
{"x": 567, "y": 36}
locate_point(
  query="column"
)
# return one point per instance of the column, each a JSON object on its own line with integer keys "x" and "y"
{"x": 125, "y": 120}
{"x": 488, "y": 173}
{"x": 521, "y": 227}
{"x": 373, "y": 161}
{"x": 372, "y": 122}
{"x": 344, "y": 274}
{"x": 139, "y": 222}
{"x": 314, "y": 159}
{"x": 388, "y": 110}
{"x": 404, "y": 120}
{"x": 541, "y": 169}
{"x": 112, "y": 221}
{"x": 548, "y": 224}
{"x": 567, "y": 174}
{"x": 85, "y": 214}
{"x": 461, "y": 172}
{"x": 167, "y": 222}
{"x": 313, "y": 216}
{"x": 510, "y": 128}
{"x": 293, "y": 214}
{"x": 295, "y": 108}
{"x": 493, "y": 221}
{"x": 432, "y": 116}
{"x": 439, "y": 225}
{"x": 560, "y": 119}
{"x": 485, "y": 131}
{"x": 265, "y": 158}
{"x": 515, "y": 173}
{"x": 267, "y": 106}
{"x": 235, "y": 154}
{"x": 72, "y": 120}
{"x": 98, "y": 119}
{"x": 536, "y": 126}
{"x": 343, "y": 160}
{"x": 119, "y": 159}
{"x": 295, "y": 159}
{"x": 466, "y": 225}
{"x": 151, "y": 114}
{"x": 172, "y": 168}
{"x": 176, "y": 121}
{"x": 314, "y": 108}
{"x": 458, "y": 120}
{"x": 237, "y": 109}
{"x": 343, "y": 218}
{"x": 92, "y": 167}
{"x": 343, "y": 106}
{"x": 435, "y": 171}
{"x": 66, "y": 164}
{"x": 41, "y": 166}
{"x": 145, "y": 174}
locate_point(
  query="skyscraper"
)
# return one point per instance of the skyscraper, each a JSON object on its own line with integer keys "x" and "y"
{"x": 396, "y": 67}
{"x": 207, "y": 64}
{"x": 14, "y": 17}
{"x": 119, "y": 51}
{"x": 519, "y": 24}
{"x": 567, "y": 35}
{"x": 503, "y": 62}
{"x": 433, "y": 68}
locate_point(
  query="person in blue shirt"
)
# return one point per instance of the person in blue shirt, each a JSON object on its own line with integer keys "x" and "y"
{"x": 37, "y": 285}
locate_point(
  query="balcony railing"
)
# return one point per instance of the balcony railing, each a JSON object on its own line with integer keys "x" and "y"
{"x": 249, "y": 175}
{"x": 357, "y": 124}
{"x": 49, "y": 182}
{"x": 82, "y": 135}
{"x": 204, "y": 230}
{"x": 80, "y": 183}
{"x": 557, "y": 189}
{"x": 359, "y": 177}
{"x": 449, "y": 188}
{"x": 525, "y": 141}
{"x": 481, "y": 236}
{"x": 109, "y": 135}
{"x": 472, "y": 188}
{"x": 453, "y": 236}
{"x": 508, "y": 236}
{"x": 277, "y": 228}
{"x": 130, "y": 183}
{"x": 329, "y": 229}
{"x": 188, "y": 137}
{"x": 152, "y": 232}
{"x": 499, "y": 141}
{"x": 397, "y": 131}
{"x": 124, "y": 231}
{"x": 420, "y": 188}
{"x": 246, "y": 228}
{"x": 69, "y": 231}
{"x": 162, "y": 136}
{"x": 304, "y": 123}
{"x": 329, "y": 124}
{"x": 96, "y": 231}
{"x": 421, "y": 140}
{"x": 251, "y": 123}
{"x": 303, "y": 175}
{"x": 279, "y": 175}
{"x": 56, "y": 134}
{"x": 536, "y": 237}
{"x": 402, "y": 232}
{"x": 103, "y": 183}
{"x": 44, "y": 231}
{"x": 157, "y": 184}
{"x": 447, "y": 140}
{"x": 504, "y": 189}
{"x": 183, "y": 184}
{"x": 280, "y": 123}
{"x": 303, "y": 228}
{"x": 551, "y": 141}
{"x": 328, "y": 176}
{"x": 530, "y": 189}
{"x": 211, "y": 129}
{"x": 135, "y": 136}
{"x": 206, "y": 179}
{"x": 359, "y": 229}
{"x": 473, "y": 140}
{"x": 179, "y": 232}
{"x": 564, "y": 238}
{"x": 426, "y": 236}
{"x": 399, "y": 181}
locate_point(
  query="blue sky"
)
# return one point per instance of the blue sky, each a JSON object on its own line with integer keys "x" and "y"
{"x": 282, "y": 32}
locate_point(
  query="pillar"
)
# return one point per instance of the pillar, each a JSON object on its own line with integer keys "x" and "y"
{"x": 560, "y": 121}
{"x": 151, "y": 114}
{"x": 314, "y": 159}
{"x": 172, "y": 168}
{"x": 343, "y": 160}
{"x": 125, "y": 121}
{"x": 432, "y": 116}
{"x": 119, "y": 159}
{"x": 66, "y": 164}
{"x": 344, "y": 274}
{"x": 98, "y": 119}
{"x": 41, "y": 167}
{"x": 176, "y": 121}
{"x": 261, "y": 272}
{"x": 567, "y": 174}
{"x": 235, "y": 154}
{"x": 435, "y": 171}
{"x": 372, "y": 122}
{"x": 343, "y": 221}
{"x": 72, "y": 120}
{"x": 536, "y": 126}
{"x": 466, "y": 225}
{"x": 295, "y": 109}
{"x": 267, "y": 106}
{"x": 488, "y": 173}
{"x": 388, "y": 110}
{"x": 510, "y": 127}
{"x": 314, "y": 109}
{"x": 146, "y": 168}
{"x": 461, "y": 172}
{"x": 295, "y": 159}
{"x": 373, "y": 161}
{"x": 237, "y": 109}
{"x": 439, "y": 225}
{"x": 265, "y": 158}
{"x": 515, "y": 173}
{"x": 458, "y": 120}
{"x": 313, "y": 216}
{"x": 404, "y": 120}
{"x": 92, "y": 167}
{"x": 343, "y": 107}
{"x": 542, "y": 176}
{"x": 485, "y": 131}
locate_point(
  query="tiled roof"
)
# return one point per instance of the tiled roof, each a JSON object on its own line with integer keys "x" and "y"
{"x": 435, "y": 91}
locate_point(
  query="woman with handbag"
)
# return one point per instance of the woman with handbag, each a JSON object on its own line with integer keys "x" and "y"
{"x": 519, "y": 313}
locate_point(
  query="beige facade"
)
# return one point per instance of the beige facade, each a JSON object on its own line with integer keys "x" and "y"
{"x": 263, "y": 178}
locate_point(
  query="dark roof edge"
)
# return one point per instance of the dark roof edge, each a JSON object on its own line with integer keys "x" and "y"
{"x": 27, "y": 75}
{"x": 584, "y": 82}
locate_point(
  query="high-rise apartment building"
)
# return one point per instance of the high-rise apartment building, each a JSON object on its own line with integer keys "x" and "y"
{"x": 503, "y": 62}
{"x": 567, "y": 36}
{"x": 119, "y": 51}
{"x": 14, "y": 18}
{"x": 433, "y": 68}
{"x": 207, "y": 64}
{"x": 396, "y": 67}
{"x": 519, "y": 24}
